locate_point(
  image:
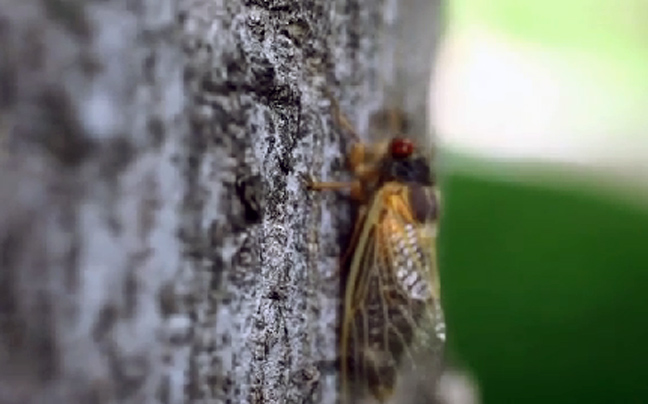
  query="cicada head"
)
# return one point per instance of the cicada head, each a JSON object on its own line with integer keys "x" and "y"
{"x": 403, "y": 163}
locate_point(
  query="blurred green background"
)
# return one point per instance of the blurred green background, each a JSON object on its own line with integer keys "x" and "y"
{"x": 544, "y": 289}
{"x": 544, "y": 273}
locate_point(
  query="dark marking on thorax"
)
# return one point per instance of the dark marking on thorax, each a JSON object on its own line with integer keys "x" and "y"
{"x": 423, "y": 201}
{"x": 415, "y": 172}
{"x": 413, "y": 169}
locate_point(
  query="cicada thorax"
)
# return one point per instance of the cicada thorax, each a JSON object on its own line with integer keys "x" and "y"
{"x": 392, "y": 294}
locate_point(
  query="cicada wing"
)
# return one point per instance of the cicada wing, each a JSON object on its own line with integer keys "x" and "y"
{"x": 392, "y": 296}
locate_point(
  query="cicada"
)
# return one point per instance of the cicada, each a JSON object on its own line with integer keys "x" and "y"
{"x": 392, "y": 301}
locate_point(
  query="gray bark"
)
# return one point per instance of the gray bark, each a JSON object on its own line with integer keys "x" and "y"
{"x": 156, "y": 241}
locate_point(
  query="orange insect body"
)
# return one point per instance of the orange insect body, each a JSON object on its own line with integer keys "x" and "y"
{"x": 392, "y": 294}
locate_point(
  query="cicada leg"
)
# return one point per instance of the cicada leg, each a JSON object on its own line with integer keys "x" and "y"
{"x": 355, "y": 187}
{"x": 397, "y": 123}
{"x": 362, "y": 158}
{"x": 357, "y": 193}
{"x": 340, "y": 118}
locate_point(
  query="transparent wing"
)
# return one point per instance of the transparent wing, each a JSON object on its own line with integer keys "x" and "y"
{"x": 392, "y": 297}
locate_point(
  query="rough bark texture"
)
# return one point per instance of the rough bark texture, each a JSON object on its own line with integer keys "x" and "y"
{"x": 156, "y": 241}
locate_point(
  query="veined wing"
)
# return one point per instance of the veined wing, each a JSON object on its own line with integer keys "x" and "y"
{"x": 392, "y": 296}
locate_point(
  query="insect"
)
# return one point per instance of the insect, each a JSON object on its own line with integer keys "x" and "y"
{"x": 391, "y": 287}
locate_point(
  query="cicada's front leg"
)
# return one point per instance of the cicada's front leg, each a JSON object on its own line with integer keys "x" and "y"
{"x": 355, "y": 187}
{"x": 358, "y": 193}
{"x": 340, "y": 118}
{"x": 365, "y": 170}
{"x": 363, "y": 158}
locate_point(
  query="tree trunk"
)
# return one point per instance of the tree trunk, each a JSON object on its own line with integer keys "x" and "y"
{"x": 157, "y": 243}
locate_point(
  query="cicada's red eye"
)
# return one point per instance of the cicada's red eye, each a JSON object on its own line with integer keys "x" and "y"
{"x": 401, "y": 148}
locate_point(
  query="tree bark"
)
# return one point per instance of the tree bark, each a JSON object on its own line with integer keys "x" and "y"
{"x": 156, "y": 241}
